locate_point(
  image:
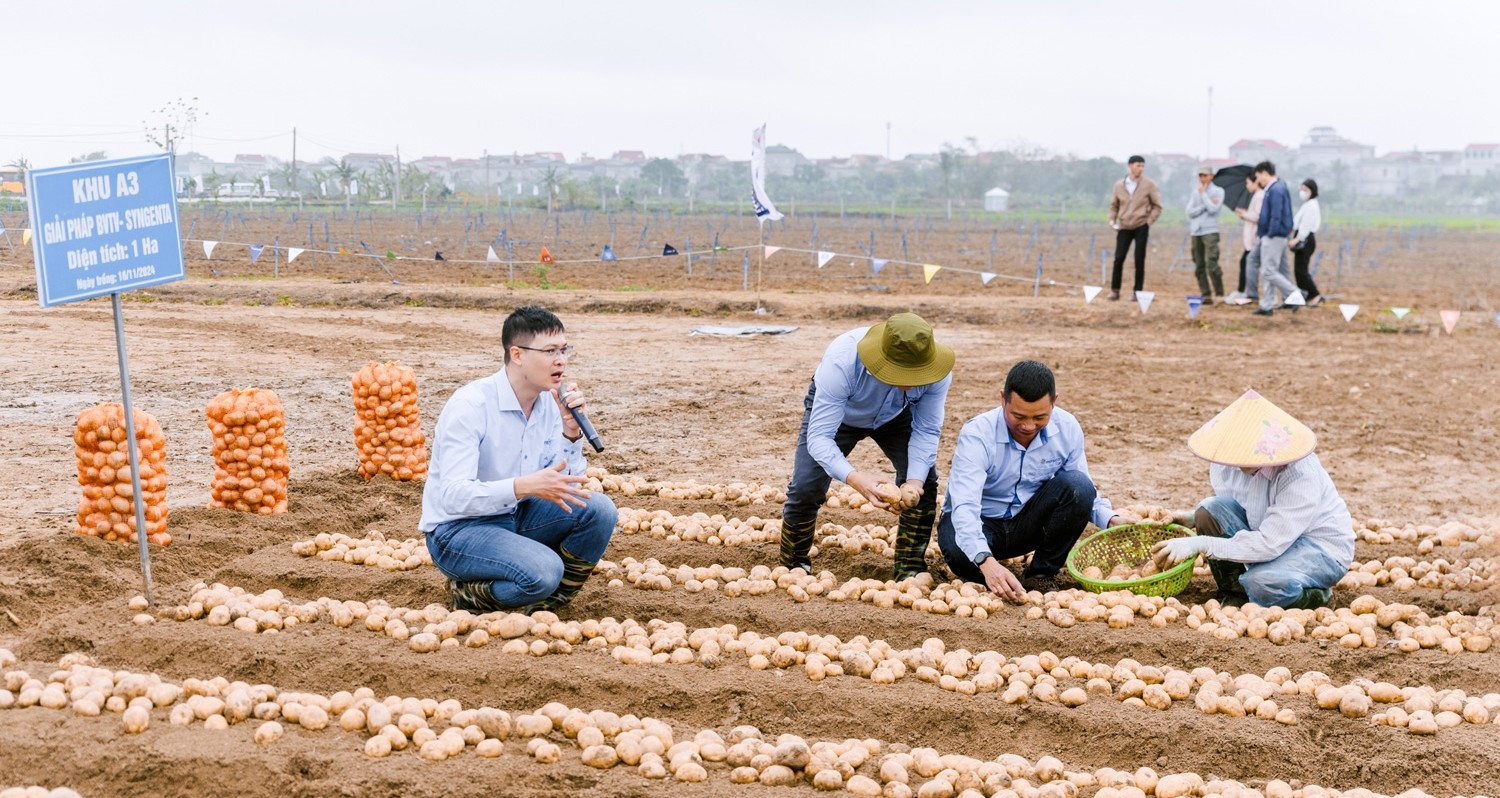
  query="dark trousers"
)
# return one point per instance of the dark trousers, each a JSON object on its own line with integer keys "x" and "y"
{"x": 1300, "y": 260}
{"x": 1244, "y": 256}
{"x": 1049, "y": 524}
{"x": 1123, "y": 238}
{"x": 809, "y": 489}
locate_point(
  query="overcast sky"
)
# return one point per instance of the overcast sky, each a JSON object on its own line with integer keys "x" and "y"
{"x": 452, "y": 78}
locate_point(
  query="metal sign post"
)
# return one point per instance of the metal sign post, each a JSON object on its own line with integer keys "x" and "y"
{"x": 104, "y": 228}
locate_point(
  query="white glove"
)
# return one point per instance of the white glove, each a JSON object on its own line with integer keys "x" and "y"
{"x": 1176, "y": 550}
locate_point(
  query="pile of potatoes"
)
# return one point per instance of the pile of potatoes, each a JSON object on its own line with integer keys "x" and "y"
{"x": 715, "y": 530}
{"x": 1427, "y": 537}
{"x": 387, "y": 426}
{"x": 250, "y": 462}
{"x": 438, "y": 730}
{"x": 1473, "y": 574}
{"x": 107, "y": 509}
{"x": 373, "y": 550}
{"x": 739, "y": 493}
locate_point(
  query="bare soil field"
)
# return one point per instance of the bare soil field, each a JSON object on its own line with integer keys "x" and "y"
{"x": 1406, "y": 417}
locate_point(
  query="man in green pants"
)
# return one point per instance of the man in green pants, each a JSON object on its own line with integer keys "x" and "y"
{"x": 1203, "y": 209}
{"x": 888, "y": 382}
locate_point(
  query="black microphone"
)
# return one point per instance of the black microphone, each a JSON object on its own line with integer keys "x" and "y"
{"x": 587, "y": 428}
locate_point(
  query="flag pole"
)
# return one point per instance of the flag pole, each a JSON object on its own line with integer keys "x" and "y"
{"x": 760, "y": 269}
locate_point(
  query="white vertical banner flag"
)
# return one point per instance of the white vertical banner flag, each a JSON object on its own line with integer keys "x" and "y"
{"x": 1091, "y": 291}
{"x": 764, "y": 208}
{"x": 1450, "y": 319}
{"x": 208, "y": 248}
{"x": 292, "y": 253}
{"x": 491, "y": 257}
{"x": 1295, "y": 298}
{"x": 1143, "y": 298}
{"x": 1348, "y": 311}
{"x": 823, "y": 258}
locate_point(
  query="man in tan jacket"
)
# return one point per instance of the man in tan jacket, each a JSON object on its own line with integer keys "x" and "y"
{"x": 1133, "y": 208}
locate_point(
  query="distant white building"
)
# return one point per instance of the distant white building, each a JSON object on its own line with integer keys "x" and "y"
{"x": 997, "y": 200}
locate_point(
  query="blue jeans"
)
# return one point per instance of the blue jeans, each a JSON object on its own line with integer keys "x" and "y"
{"x": 517, "y": 553}
{"x": 1048, "y": 524}
{"x": 1274, "y": 583}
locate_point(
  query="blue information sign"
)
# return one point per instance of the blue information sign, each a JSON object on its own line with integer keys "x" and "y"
{"x": 103, "y": 227}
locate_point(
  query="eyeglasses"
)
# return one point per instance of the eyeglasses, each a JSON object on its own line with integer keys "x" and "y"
{"x": 552, "y": 353}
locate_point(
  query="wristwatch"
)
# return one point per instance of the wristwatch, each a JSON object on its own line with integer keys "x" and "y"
{"x": 980, "y": 558}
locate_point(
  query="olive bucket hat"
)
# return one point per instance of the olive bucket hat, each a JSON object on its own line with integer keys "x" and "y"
{"x": 901, "y": 351}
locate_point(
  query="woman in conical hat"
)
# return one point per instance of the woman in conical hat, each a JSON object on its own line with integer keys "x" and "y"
{"x": 1275, "y": 531}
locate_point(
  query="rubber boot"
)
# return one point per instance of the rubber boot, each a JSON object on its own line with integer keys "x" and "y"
{"x": 474, "y": 597}
{"x": 912, "y": 536}
{"x": 1312, "y": 598}
{"x": 575, "y": 572}
{"x": 796, "y": 545}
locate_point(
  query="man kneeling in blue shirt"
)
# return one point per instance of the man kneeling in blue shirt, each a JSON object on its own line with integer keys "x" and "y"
{"x": 1020, "y": 483}
{"x": 505, "y": 518}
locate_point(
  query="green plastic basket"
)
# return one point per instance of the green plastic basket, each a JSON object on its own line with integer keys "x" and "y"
{"x": 1130, "y": 544}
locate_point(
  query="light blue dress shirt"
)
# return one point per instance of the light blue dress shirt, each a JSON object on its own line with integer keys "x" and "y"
{"x": 992, "y": 476}
{"x": 483, "y": 442}
{"x": 847, "y": 393}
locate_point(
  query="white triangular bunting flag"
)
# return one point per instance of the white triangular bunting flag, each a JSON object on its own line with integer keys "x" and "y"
{"x": 1450, "y": 319}
{"x": 876, "y": 264}
{"x": 770, "y": 250}
{"x": 1400, "y": 312}
{"x": 491, "y": 257}
{"x": 986, "y": 277}
{"x": 208, "y": 248}
{"x": 1143, "y": 298}
{"x": 1194, "y": 305}
{"x": 823, "y": 258}
{"x": 292, "y": 253}
{"x": 1091, "y": 291}
{"x": 1348, "y": 311}
{"x": 928, "y": 270}
{"x": 1295, "y": 298}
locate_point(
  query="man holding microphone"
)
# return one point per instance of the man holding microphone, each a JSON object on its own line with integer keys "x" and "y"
{"x": 505, "y": 518}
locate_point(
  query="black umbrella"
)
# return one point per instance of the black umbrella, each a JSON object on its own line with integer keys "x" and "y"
{"x": 1232, "y": 180}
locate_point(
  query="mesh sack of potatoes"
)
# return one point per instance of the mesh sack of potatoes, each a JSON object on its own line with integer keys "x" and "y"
{"x": 387, "y": 427}
{"x": 107, "y": 509}
{"x": 250, "y": 463}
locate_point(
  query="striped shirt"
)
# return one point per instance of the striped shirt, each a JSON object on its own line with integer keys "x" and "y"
{"x": 1283, "y": 503}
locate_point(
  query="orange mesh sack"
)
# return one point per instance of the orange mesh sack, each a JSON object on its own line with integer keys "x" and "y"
{"x": 387, "y": 428}
{"x": 107, "y": 509}
{"x": 250, "y": 465}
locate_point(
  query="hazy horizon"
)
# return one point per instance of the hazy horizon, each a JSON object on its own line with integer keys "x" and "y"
{"x": 673, "y": 78}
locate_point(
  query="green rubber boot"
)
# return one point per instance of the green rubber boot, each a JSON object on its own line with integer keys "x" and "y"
{"x": 796, "y": 545}
{"x": 474, "y": 597}
{"x": 1312, "y": 598}
{"x": 912, "y": 536}
{"x": 575, "y": 572}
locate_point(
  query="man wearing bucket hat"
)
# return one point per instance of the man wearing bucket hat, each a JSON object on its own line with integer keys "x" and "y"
{"x": 1020, "y": 484}
{"x": 887, "y": 382}
{"x": 1276, "y": 530}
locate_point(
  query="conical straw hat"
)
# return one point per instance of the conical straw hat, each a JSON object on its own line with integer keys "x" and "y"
{"x": 1253, "y": 432}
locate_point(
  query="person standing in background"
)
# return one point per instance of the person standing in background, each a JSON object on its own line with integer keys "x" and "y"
{"x": 1249, "y": 290}
{"x": 1203, "y": 208}
{"x": 1133, "y": 208}
{"x": 1273, "y": 228}
{"x": 1305, "y": 225}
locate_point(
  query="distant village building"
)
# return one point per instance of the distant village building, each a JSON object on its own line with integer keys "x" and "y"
{"x": 783, "y": 161}
{"x": 997, "y": 200}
